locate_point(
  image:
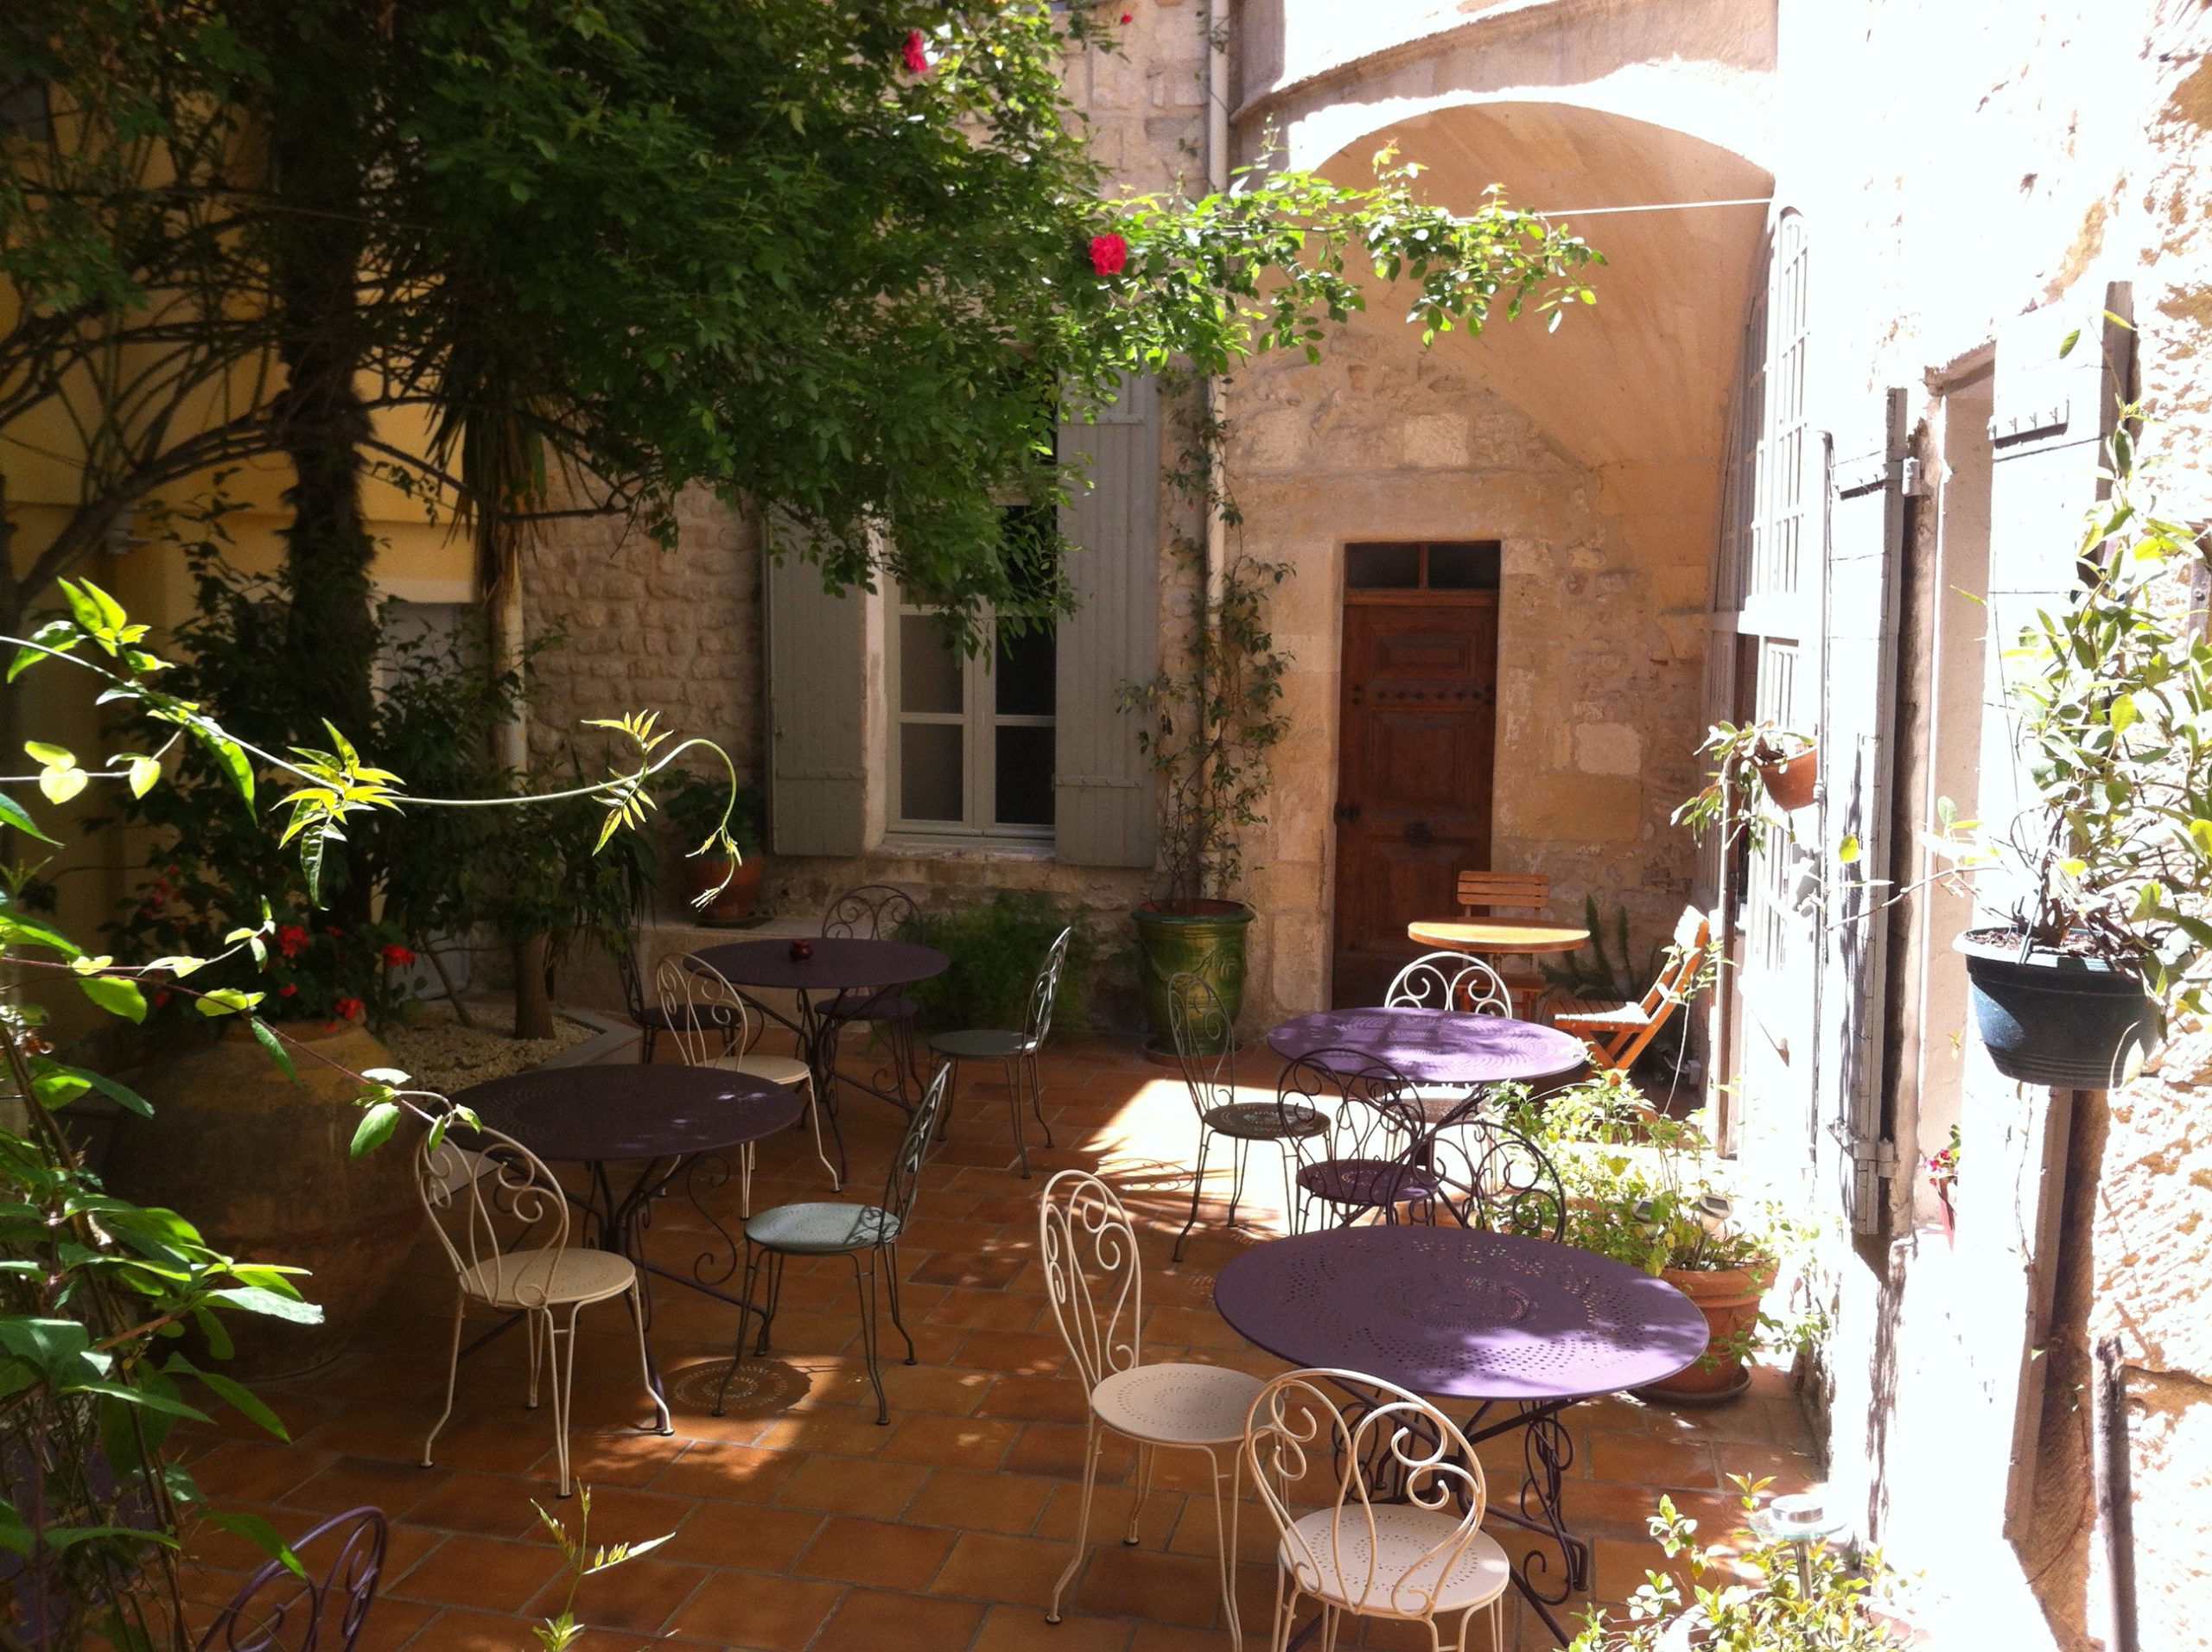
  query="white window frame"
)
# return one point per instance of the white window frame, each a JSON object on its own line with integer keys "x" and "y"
{"x": 979, "y": 719}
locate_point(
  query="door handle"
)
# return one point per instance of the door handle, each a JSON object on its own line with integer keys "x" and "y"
{"x": 1419, "y": 836}
{"x": 1346, "y": 813}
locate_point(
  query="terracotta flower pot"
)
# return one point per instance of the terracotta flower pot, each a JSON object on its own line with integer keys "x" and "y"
{"x": 1729, "y": 1298}
{"x": 261, "y": 1166}
{"x": 735, "y": 903}
{"x": 1791, "y": 781}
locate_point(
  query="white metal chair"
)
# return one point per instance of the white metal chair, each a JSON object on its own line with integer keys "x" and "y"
{"x": 1449, "y": 981}
{"x": 1095, "y": 1283}
{"x": 504, "y": 1221}
{"x": 707, "y": 1017}
{"x": 1398, "y": 1531}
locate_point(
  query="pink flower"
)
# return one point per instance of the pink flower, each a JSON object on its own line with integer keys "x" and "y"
{"x": 917, "y": 60}
{"x": 292, "y": 940}
{"x": 1109, "y": 253}
{"x": 350, "y": 1008}
{"x": 398, "y": 956}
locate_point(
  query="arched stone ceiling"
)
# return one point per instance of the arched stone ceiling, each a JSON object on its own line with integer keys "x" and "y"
{"x": 1642, "y": 377}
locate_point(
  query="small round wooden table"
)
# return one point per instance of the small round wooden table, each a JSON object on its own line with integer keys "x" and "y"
{"x": 1506, "y": 935}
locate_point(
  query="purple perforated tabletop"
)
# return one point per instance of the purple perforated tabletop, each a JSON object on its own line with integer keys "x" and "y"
{"x": 1460, "y": 1312}
{"x": 839, "y": 962}
{"x": 1436, "y": 1046}
{"x": 630, "y": 1111}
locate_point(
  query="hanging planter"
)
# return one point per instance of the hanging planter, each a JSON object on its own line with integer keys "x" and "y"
{"x": 2056, "y": 1017}
{"x": 1790, "y": 781}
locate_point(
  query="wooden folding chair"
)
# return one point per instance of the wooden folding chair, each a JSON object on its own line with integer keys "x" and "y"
{"x": 1618, "y": 1034}
{"x": 1487, "y": 894}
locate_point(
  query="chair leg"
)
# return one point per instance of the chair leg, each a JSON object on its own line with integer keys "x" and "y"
{"x": 1198, "y": 1188}
{"x": 1236, "y": 1177}
{"x": 453, "y": 1377}
{"x": 951, "y": 1093}
{"x": 644, "y": 1360}
{"x": 864, "y": 1284}
{"x": 1092, "y": 1443}
{"x": 1147, "y": 1456}
{"x": 814, "y": 1116}
{"x": 529, "y": 1330}
{"x": 1037, "y": 1094}
{"x": 891, "y": 1285}
{"x": 564, "y": 1374}
{"x": 1225, "y": 1536}
{"x": 1286, "y": 1608}
{"x": 647, "y": 1038}
{"x": 752, "y": 1256}
{"x": 775, "y": 1294}
{"x": 1289, "y": 1188}
{"x": 1013, "y": 1112}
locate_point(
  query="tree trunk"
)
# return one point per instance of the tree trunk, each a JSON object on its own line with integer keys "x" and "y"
{"x": 533, "y": 987}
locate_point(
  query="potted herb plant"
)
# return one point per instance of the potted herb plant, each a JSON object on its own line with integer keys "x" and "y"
{"x": 1943, "y": 1176}
{"x": 2108, "y": 866}
{"x": 1208, "y": 730}
{"x": 723, "y": 885}
{"x": 1750, "y": 761}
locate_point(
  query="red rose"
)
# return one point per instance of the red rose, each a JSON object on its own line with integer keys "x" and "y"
{"x": 917, "y": 60}
{"x": 286, "y": 990}
{"x": 398, "y": 956}
{"x": 350, "y": 1008}
{"x": 1108, "y": 252}
{"x": 1125, "y": 16}
{"x": 292, "y": 940}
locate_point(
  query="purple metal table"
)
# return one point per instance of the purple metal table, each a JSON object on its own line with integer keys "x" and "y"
{"x": 1437, "y": 1046}
{"x": 839, "y": 965}
{"x": 1492, "y": 1317}
{"x": 669, "y": 1120}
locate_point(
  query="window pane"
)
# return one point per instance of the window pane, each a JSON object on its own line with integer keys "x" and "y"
{"x": 1471, "y": 566}
{"x": 931, "y": 758}
{"x": 929, "y": 672}
{"x": 1024, "y": 674}
{"x": 1025, "y": 776}
{"x": 1382, "y": 567}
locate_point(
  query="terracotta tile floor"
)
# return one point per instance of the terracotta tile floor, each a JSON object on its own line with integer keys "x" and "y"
{"x": 798, "y": 1523}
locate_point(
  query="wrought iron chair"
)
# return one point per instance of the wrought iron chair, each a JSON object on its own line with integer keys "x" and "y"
{"x": 1491, "y": 1176}
{"x": 308, "y": 1614}
{"x": 703, "y": 1009}
{"x": 1449, "y": 981}
{"x": 504, "y": 1229}
{"x": 1205, "y": 1048}
{"x": 866, "y": 1235}
{"x": 877, "y": 911}
{"x": 1399, "y": 1531}
{"x": 1368, "y": 1160}
{"x": 1095, "y": 1281}
{"x": 1017, "y": 1052}
{"x": 650, "y": 1020}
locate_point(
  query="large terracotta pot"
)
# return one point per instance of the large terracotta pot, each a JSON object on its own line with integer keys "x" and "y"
{"x": 1790, "y": 781}
{"x": 260, "y": 1165}
{"x": 733, "y": 904}
{"x": 1729, "y": 1298}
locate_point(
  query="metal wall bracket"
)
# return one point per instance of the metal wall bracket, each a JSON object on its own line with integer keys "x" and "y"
{"x": 2037, "y": 422}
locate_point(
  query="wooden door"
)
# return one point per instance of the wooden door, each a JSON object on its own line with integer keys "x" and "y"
{"x": 1419, "y": 709}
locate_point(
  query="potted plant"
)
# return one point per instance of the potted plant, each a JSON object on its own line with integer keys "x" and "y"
{"x": 1641, "y": 1189}
{"x": 1782, "y": 1587}
{"x": 1750, "y": 761}
{"x": 1943, "y": 1176}
{"x": 1208, "y": 731}
{"x": 2108, "y": 866}
{"x": 723, "y": 884}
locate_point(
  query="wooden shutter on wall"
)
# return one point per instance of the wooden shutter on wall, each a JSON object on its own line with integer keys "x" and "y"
{"x": 817, "y": 677}
{"x": 1103, "y": 791}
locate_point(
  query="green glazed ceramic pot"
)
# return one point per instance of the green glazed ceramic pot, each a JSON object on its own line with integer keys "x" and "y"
{"x": 1204, "y": 937}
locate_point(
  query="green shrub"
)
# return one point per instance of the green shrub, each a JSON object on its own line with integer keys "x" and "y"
{"x": 997, "y": 949}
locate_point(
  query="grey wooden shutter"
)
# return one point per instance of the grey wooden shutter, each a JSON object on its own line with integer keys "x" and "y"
{"x": 1103, "y": 792}
{"x": 816, "y": 773}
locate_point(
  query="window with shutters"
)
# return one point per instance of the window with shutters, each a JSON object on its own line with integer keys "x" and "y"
{"x": 973, "y": 734}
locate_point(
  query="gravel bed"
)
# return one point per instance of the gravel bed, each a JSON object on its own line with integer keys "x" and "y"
{"x": 443, "y": 1055}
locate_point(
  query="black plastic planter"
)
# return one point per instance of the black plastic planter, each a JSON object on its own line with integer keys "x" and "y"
{"x": 2068, "y": 1022}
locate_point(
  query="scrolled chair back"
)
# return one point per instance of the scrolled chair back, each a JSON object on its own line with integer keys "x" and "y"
{"x": 498, "y": 1211}
{"x": 1490, "y": 1176}
{"x": 1449, "y": 981}
{"x": 705, "y": 1014}
{"x": 1373, "y": 1113}
{"x": 873, "y": 911}
{"x": 1038, "y": 1021}
{"x": 1205, "y": 1043}
{"x": 1094, "y": 1277}
{"x": 278, "y": 1611}
{"x": 1360, "y": 1444}
{"x": 904, "y": 1181}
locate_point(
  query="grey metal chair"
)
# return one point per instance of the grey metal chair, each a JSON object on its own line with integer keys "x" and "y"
{"x": 866, "y": 1235}
{"x": 877, "y": 911}
{"x": 1488, "y": 1176}
{"x": 1371, "y": 1159}
{"x": 1205, "y": 1048}
{"x": 1016, "y": 1052}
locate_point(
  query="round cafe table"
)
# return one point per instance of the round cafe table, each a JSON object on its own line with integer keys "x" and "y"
{"x": 844, "y": 967}
{"x": 670, "y": 1121}
{"x": 1437, "y": 1046}
{"x": 1499, "y": 1319}
{"x": 1510, "y": 936}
